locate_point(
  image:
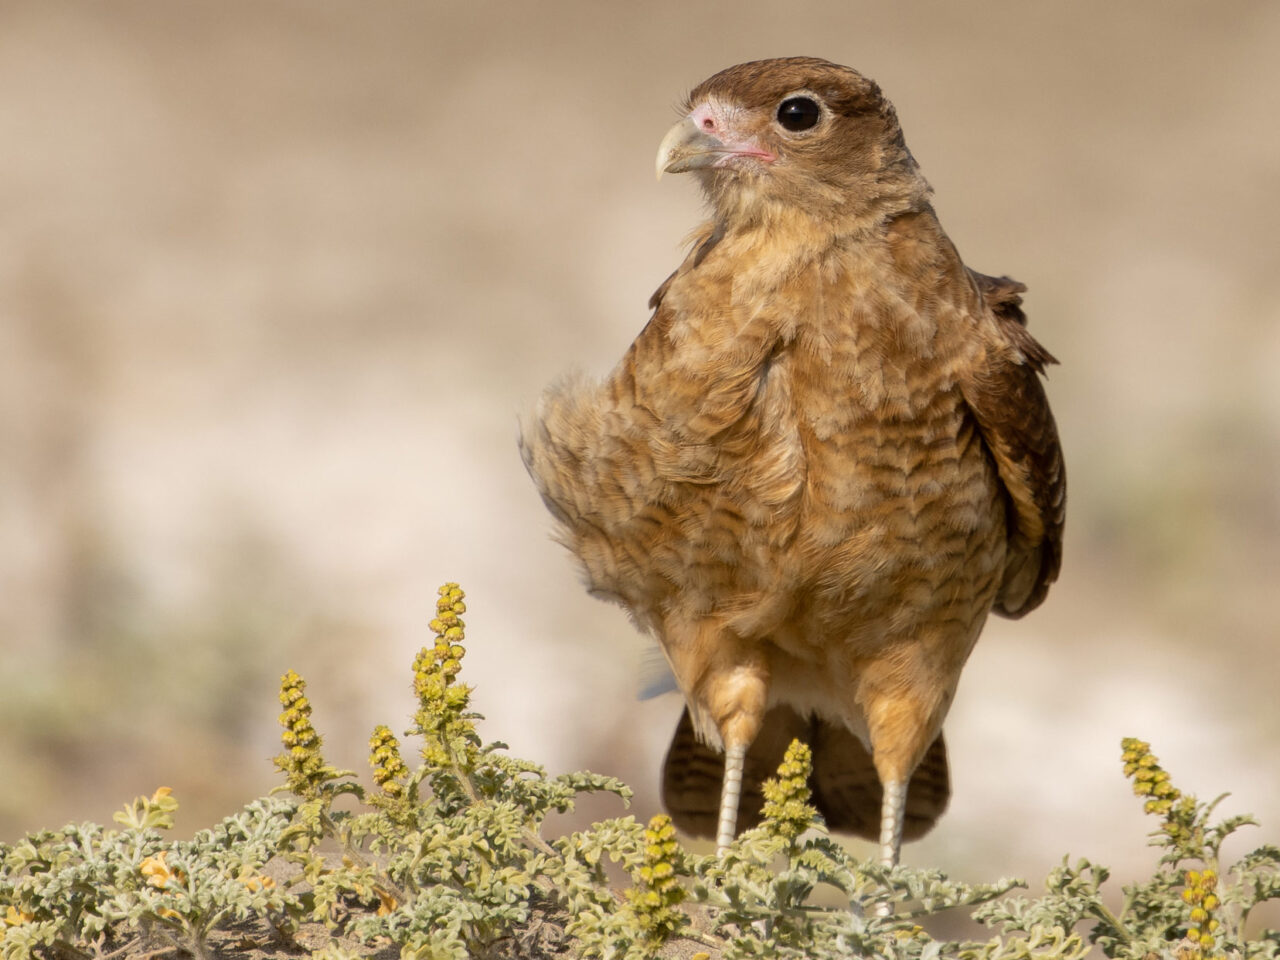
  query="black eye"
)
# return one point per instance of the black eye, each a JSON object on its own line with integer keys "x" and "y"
{"x": 799, "y": 113}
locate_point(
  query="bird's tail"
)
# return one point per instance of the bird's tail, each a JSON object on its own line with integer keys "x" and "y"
{"x": 845, "y": 787}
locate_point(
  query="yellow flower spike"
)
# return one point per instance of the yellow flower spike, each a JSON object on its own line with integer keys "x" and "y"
{"x": 1134, "y": 749}
{"x": 302, "y": 763}
{"x": 658, "y": 891}
{"x": 1149, "y": 778}
{"x": 448, "y": 607}
{"x": 384, "y": 756}
{"x": 786, "y": 810}
{"x": 448, "y": 734}
{"x": 1202, "y": 924}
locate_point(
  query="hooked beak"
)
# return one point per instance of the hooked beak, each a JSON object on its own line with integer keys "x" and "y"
{"x": 690, "y": 145}
{"x": 687, "y": 147}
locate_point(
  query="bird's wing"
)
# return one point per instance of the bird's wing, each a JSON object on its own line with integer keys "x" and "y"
{"x": 1009, "y": 404}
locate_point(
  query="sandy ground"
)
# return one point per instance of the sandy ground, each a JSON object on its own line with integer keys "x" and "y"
{"x": 277, "y": 278}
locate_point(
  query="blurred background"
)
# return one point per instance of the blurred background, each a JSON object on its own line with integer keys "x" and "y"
{"x": 276, "y": 280}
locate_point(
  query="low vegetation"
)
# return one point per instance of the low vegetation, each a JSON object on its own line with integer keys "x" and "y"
{"x": 447, "y": 859}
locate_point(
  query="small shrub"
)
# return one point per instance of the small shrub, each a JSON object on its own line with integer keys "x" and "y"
{"x": 447, "y": 859}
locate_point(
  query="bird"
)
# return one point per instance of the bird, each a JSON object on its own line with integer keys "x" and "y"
{"x": 826, "y": 458}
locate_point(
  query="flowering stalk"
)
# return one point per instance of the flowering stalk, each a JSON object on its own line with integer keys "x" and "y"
{"x": 449, "y": 736}
{"x": 657, "y": 894}
{"x": 384, "y": 756}
{"x": 302, "y": 762}
{"x": 787, "y": 812}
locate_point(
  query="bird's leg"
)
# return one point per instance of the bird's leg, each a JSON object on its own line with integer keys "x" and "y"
{"x": 726, "y": 827}
{"x": 902, "y": 720}
{"x": 734, "y": 761}
{"x": 893, "y": 809}
{"x": 727, "y": 697}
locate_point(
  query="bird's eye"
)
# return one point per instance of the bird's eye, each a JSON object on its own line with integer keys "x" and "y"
{"x": 798, "y": 113}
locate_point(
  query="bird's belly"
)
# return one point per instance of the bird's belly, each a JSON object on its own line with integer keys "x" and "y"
{"x": 892, "y": 524}
{"x": 898, "y": 552}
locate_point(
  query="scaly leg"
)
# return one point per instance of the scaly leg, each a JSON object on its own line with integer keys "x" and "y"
{"x": 893, "y": 811}
{"x": 734, "y": 760}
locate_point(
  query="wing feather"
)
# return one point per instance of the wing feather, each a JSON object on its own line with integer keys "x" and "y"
{"x": 1009, "y": 404}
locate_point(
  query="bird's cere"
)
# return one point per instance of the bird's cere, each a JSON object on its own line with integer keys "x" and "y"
{"x": 704, "y": 139}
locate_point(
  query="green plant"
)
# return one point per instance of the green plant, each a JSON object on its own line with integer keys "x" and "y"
{"x": 447, "y": 859}
{"x": 1193, "y": 907}
{"x": 450, "y": 860}
{"x": 78, "y": 890}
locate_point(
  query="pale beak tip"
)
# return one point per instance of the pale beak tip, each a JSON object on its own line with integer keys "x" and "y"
{"x": 674, "y": 148}
{"x": 663, "y": 160}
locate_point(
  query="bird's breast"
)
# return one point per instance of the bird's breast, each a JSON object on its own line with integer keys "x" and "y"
{"x": 878, "y": 450}
{"x": 852, "y": 487}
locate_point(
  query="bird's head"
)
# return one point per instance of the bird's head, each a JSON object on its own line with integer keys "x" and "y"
{"x": 794, "y": 134}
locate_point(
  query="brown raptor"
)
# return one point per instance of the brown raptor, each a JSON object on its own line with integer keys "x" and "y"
{"x": 823, "y": 462}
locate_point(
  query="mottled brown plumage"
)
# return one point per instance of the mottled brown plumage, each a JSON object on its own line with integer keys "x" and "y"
{"x": 823, "y": 461}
